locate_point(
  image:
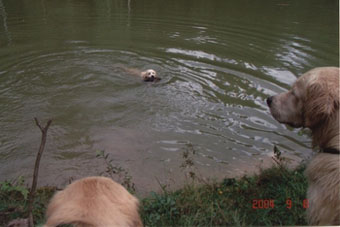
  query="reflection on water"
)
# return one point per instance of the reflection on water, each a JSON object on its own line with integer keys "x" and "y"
{"x": 218, "y": 61}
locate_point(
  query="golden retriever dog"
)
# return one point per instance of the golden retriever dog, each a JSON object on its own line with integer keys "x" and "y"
{"x": 149, "y": 75}
{"x": 94, "y": 202}
{"x": 313, "y": 102}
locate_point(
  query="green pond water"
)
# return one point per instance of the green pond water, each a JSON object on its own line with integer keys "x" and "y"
{"x": 218, "y": 61}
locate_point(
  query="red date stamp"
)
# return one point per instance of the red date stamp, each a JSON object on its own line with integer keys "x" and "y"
{"x": 263, "y": 203}
{"x": 270, "y": 204}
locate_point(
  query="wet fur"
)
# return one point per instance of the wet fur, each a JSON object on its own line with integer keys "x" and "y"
{"x": 313, "y": 102}
{"x": 149, "y": 75}
{"x": 94, "y": 202}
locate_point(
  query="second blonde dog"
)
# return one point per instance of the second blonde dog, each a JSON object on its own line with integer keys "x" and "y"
{"x": 95, "y": 202}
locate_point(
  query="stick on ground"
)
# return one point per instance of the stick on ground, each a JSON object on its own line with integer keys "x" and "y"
{"x": 36, "y": 168}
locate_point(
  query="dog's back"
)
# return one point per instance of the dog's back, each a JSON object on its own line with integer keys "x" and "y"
{"x": 94, "y": 201}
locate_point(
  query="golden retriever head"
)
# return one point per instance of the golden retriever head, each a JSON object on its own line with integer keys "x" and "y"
{"x": 150, "y": 75}
{"x": 312, "y": 100}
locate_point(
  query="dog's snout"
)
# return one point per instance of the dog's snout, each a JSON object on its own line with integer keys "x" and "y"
{"x": 269, "y": 100}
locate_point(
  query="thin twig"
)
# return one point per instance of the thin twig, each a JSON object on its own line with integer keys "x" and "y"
{"x": 36, "y": 169}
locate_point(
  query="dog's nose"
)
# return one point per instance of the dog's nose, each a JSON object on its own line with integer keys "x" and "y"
{"x": 269, "y": 100}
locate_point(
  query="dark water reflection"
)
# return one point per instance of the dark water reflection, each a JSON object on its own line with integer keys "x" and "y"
{"x": 218, "y": 61}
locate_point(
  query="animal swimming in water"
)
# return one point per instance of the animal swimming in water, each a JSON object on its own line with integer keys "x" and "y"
{"x": 149, "y": 75}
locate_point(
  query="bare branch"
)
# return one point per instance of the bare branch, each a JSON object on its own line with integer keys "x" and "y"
{"x": 41, "y": 128}
{"x": 36, "y": 168}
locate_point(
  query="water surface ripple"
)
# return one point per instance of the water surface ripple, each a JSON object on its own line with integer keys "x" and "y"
{"x": 218, "y": 62}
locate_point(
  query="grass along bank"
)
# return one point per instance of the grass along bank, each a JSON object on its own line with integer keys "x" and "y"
{"x": 274, "y": 196}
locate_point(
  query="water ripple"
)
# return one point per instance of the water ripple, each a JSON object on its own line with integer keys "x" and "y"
{"x": 218, "y": 62}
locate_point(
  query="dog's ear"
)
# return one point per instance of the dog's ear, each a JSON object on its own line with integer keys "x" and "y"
{"x": 321, "y": 103}
{"x": 143, "y": 74}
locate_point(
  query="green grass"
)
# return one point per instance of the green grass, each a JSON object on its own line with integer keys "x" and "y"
{"x": 229, "y": 202}
{"x": 13, "y": 201}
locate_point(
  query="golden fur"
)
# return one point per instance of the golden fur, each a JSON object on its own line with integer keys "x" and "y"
{"x": 313, "y": 102}
{"x": 94, "y": 202}
{"x": 149, "y": 75}
{"x": 323, "y": 190}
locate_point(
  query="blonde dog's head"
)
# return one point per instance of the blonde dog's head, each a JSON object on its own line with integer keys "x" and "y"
{"x": 312, "y": 100}
{"x": 150, "y": 75}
